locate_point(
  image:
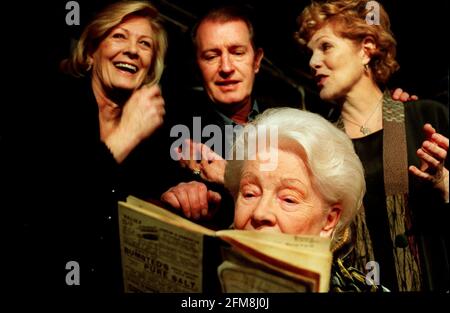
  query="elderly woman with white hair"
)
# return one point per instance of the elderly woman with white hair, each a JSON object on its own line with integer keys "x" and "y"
{"x": 315, "y": 188}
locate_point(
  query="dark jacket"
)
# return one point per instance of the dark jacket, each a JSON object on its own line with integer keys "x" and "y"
{"x": 74, "y": 217}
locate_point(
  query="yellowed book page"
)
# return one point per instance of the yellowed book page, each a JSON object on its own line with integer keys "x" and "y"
{"x": 313, "y": 244}
{"x": 238, "y": 278}
{"x": 158, "y": 256}
{"x": 303, "y": 259}
{"x": 167, "y": 216}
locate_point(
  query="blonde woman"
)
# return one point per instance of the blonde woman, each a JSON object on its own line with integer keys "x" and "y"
{"x": 109, "y": 109}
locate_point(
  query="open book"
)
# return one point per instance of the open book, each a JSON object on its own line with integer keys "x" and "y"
{"x": 164, "y": 252}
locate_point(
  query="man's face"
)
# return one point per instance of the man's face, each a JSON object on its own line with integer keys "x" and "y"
{"x": 227, "y": 61}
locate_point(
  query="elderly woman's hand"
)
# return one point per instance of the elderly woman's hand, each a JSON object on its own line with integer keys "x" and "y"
{"x": 141, "y": 116}
{"x": 193, "y": 198}
{"x": 432, "y": 156}
{"x": 203, "y": 161}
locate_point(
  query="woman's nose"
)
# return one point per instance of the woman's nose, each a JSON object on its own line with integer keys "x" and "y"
{"x": 131, "y": 48}
{"x": 264, "y": 214}
{"x": 315, "y": 61}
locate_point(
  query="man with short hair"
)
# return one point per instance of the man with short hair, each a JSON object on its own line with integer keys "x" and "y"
{"x": 228, "y": 60}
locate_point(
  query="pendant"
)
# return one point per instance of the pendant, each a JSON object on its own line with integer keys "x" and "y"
{"x": 364, "y": 130}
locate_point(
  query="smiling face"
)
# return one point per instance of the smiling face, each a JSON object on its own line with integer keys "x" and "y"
{"x": 283, "y": 200}
{"x": 123, "y": 58}
{"x": 337, "y": 63}
{"x": 227, "y": 61}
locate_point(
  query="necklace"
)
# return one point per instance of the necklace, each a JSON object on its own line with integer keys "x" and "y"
{"x": 362, "y": 127}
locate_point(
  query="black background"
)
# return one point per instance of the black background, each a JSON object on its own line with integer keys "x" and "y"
{"x": 36, "y": 37}
{"x": 420, "y": 29}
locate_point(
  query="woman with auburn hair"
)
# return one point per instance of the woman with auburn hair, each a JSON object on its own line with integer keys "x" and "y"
{"x": 403, "y": 147}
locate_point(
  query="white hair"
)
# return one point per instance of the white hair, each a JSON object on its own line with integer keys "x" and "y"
{"x": 336, "y": 171}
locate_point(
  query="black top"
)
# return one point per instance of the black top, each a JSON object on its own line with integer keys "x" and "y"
{"x": 429, "y": 211}
{"x": 369, "y": 150}
{"x": 74, "y": 215}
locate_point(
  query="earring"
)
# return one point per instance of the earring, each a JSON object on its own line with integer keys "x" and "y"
{"x": 366, "y": 68}
{"x": 89, "y": 67}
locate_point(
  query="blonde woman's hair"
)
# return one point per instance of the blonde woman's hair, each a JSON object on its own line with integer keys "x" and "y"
{"x": 348, "y": 18}
{"x": 99, "y": 28}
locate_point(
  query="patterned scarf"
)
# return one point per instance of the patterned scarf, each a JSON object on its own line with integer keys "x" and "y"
{"x": 395, "y": 165}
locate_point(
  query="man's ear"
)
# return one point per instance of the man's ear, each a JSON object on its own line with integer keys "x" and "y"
{"x": 332, "y": 218}
{"x": 259, "y": 54}
{"x": 368, "y": 47}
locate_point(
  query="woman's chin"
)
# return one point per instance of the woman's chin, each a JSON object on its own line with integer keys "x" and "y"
{"x": 127, "y": 84}
{"x": 126, "y": 87}
{"x": 328, "y": 95}
{"x": 325, "y": 95}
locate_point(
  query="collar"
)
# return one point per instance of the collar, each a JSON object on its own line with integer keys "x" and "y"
{"x": 228, "y": 121}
